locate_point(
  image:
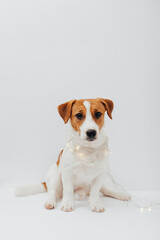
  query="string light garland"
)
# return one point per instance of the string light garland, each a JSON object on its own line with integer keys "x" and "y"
{"x": 80, "y": 152}
{"x": 141, "y": 207}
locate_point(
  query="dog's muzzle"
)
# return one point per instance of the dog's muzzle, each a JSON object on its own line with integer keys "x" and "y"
{"x": 91, "y": 134}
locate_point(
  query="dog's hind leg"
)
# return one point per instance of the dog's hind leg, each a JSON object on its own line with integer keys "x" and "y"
{"x": 124, "y": 196}
{"x": 54, "y": 187}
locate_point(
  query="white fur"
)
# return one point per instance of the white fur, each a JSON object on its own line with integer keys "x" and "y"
{"x": 89, "y": 123}
{"x": 82, "y": 170}
{"x": 29, "y": 190}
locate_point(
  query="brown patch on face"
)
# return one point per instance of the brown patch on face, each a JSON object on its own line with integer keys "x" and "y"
{"x": 72, "y": 108}
{"x": 98, "y": 108}
{"x": 78, "y": 108}
{"x": 59, "y": 157}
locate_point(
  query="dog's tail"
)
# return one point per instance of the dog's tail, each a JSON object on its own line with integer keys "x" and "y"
{"x": 28, "y": 190}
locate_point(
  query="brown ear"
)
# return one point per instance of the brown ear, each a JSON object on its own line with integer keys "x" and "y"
{"x": 108, "y": 104}
{"x": 65, "y": 110}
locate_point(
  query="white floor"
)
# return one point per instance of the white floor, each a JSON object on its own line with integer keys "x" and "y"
{"x": 26, "y": 218}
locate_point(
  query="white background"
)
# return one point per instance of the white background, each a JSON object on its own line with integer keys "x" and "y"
{"x": 54, "y": 51}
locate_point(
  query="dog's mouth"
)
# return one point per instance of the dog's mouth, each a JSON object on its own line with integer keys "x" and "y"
{"x": 91, "y": 139}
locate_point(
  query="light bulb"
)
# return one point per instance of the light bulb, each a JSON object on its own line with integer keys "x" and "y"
{"x": 141, "y": 209}
{"x": 78, "y": 147}
{"x": 80, "y": 154}
{"x": 106, "y": 152}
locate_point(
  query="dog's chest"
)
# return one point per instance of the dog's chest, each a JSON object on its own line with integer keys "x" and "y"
{"x": 86, "y": 166}
{"x": 84, "y": 174}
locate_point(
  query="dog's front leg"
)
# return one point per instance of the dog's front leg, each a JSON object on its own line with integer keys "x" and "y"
{"x": 67, "y": 202}
{"x": 94, "y": 198}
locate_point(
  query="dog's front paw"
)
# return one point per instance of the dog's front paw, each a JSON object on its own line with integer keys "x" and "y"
{"x": 67, "y": 206}
{"x": 50, "y": 205}
{"x": 96, "y": 206}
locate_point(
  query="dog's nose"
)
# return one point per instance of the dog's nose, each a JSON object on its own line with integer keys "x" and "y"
{"x": 91, "y": 133}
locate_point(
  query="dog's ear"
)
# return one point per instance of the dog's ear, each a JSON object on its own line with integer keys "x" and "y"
{"x": 65, "y": 110}
{"x": 108, "y": 104}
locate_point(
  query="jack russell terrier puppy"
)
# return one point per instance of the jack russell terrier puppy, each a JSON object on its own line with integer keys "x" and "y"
{"x": 82, "y": 166}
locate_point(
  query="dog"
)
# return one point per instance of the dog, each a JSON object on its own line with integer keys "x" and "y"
{"x": 82, "y": 166}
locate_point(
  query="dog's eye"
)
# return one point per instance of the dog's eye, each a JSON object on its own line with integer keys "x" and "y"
{"x": 98, "y": 115}
{"x": 79, "y": 116}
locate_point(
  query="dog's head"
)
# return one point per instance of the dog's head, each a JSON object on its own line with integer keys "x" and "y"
{"x": 86, "y": 116}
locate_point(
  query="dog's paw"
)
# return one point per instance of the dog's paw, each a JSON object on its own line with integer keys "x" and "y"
{"x": 49, "y": 205}
{"x": 97, "y": 207}
{"x": 123, "y": 196}
{"x": 67, "y": 206}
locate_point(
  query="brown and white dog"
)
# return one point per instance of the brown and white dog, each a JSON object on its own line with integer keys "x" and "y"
{"x": 82, "y": 166}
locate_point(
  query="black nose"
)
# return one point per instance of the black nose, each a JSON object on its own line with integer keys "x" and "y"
{"x": 91, "y": 134}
